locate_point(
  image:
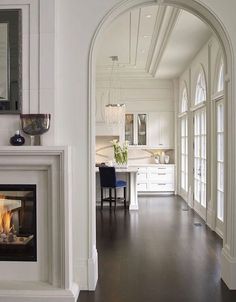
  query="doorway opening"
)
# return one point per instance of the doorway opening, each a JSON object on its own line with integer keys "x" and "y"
{"x": 198, "y": 193}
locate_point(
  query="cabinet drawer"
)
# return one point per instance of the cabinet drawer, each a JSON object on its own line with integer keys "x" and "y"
{"x": 141, "y": 177}
{"x": 166, "y": 169}
{"x": 141, "y": 186}
{"x": 161, "y": 187}
{"x": 161, "y": 177}
{"x": 142, "y": 170}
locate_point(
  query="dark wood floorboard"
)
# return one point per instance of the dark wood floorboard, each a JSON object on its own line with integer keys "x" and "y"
{"x": 157, "y": 254}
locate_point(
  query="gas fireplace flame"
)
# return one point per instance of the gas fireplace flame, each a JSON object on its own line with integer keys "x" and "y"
{"x": 5, "y": 219}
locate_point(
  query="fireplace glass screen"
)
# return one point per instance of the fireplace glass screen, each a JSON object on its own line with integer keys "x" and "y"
{"x": 18, "y": 223}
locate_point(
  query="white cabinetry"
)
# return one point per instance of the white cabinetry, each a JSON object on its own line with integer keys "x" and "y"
{"x": 136, "y": 129}
{"x": 159, "y": 178}
{"x": 161, "y": 130}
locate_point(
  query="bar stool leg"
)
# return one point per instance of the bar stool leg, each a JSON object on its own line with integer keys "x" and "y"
{"x": 110, "y": 196}
{"x": 101, "y": 198}
{"x": 115, "y": 197}
{"x": 125, "y": 197}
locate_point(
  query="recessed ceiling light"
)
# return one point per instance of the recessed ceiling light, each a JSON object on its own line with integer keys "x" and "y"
{"x": 146, "y": 36}
{"x": 148, "y": 16}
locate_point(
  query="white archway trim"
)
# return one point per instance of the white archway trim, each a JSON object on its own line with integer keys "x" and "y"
{"x": 208, "y": 16}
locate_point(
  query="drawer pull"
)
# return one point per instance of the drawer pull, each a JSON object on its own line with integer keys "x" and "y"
{"x": 160, "y": 168}
{"x": 161, "y": 173}
{"x": 161, "y": 184}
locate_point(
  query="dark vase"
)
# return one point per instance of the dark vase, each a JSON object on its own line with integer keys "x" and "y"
{"x": 17, "y": 139}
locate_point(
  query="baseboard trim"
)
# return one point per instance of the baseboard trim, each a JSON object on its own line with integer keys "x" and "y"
{"x": 228, "y": 269}
{"x": 133, "y": 207}
{"x": 152, "y": 193}
{"x": 35, "y": 294}
{"x": 93, "y": 270}
{"x": 219, "y": 232}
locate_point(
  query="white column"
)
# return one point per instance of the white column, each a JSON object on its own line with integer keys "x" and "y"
{"x": 228, "y": 259}
{"x": 133, "y": 191}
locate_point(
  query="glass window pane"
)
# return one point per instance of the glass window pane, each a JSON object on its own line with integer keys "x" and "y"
{"x": 220, "y": 160}
{"x": 203, "y": 146}
{"x": 203, "y": 170}
{"x": 200, "y": 94}
{"x": 197, "y": 146}
{"x": 183, "y": 125}
{"x": 129, "y": 128}
{"x": 220, "y": 118}
{"x": 220, "y": 176}
{"x": 197, "y": 190}
{"x": 203, "y": 195}
{"x": 220, "y": 147}
{"x": 220, "y": 205}
{"x": 220, "y": 84}
{"x": 184, "y": 101}
{"x": 142, "y": 129}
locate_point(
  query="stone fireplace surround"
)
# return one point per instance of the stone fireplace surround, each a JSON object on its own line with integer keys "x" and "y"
{"x": 51, "y": 277}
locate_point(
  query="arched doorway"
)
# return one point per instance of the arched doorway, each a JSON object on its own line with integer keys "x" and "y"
{"x": 209, "y": 18}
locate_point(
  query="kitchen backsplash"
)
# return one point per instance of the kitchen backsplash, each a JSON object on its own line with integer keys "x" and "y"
{"x": 104, "y": 152}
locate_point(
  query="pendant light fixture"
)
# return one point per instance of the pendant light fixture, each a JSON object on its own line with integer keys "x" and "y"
{"x": 114, "y": 113}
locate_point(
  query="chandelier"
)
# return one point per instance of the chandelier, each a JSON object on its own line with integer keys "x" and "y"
{"x": 114, "y": 113}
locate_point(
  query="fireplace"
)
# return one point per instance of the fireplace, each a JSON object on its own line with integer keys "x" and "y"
{"x": 18, "y": 238}
{"x": 44, "y": 192}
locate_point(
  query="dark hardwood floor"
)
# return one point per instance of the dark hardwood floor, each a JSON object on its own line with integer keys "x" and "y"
{"x": 157, "y": 254}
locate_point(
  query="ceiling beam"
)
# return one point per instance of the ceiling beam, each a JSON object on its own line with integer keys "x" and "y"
{"x": 165, "y": 22}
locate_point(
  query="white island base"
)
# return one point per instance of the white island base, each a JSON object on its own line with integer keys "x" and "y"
{"x": 133, "y": 194}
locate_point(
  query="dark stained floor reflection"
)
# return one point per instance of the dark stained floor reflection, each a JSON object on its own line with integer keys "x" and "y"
{"x": 157, "y": 254}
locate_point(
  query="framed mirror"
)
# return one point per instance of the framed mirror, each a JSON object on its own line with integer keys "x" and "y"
{"x": 10, "y": 61}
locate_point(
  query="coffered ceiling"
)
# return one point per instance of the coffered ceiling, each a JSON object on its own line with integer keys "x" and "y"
{"x": 151, "y": 42}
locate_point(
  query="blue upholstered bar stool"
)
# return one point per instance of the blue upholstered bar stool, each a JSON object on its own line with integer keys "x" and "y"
{"x": 108, "y": 181}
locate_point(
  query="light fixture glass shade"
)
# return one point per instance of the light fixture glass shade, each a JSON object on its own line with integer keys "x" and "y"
{"x": 115, "y": 113}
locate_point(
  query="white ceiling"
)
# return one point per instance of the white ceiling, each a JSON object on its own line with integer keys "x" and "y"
{"x": 153, "y": 41}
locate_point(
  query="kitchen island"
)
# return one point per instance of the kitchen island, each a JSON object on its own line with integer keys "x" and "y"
{"x": 130, "y": 174}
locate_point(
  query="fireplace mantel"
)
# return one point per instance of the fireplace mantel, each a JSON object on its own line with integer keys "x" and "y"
{"x": 21, "y": 165}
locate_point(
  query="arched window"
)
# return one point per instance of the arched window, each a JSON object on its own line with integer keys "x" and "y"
{"x": 200, "y": 95}
{"x": 184, "y": 101}
{"x": 220, "y": 82}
